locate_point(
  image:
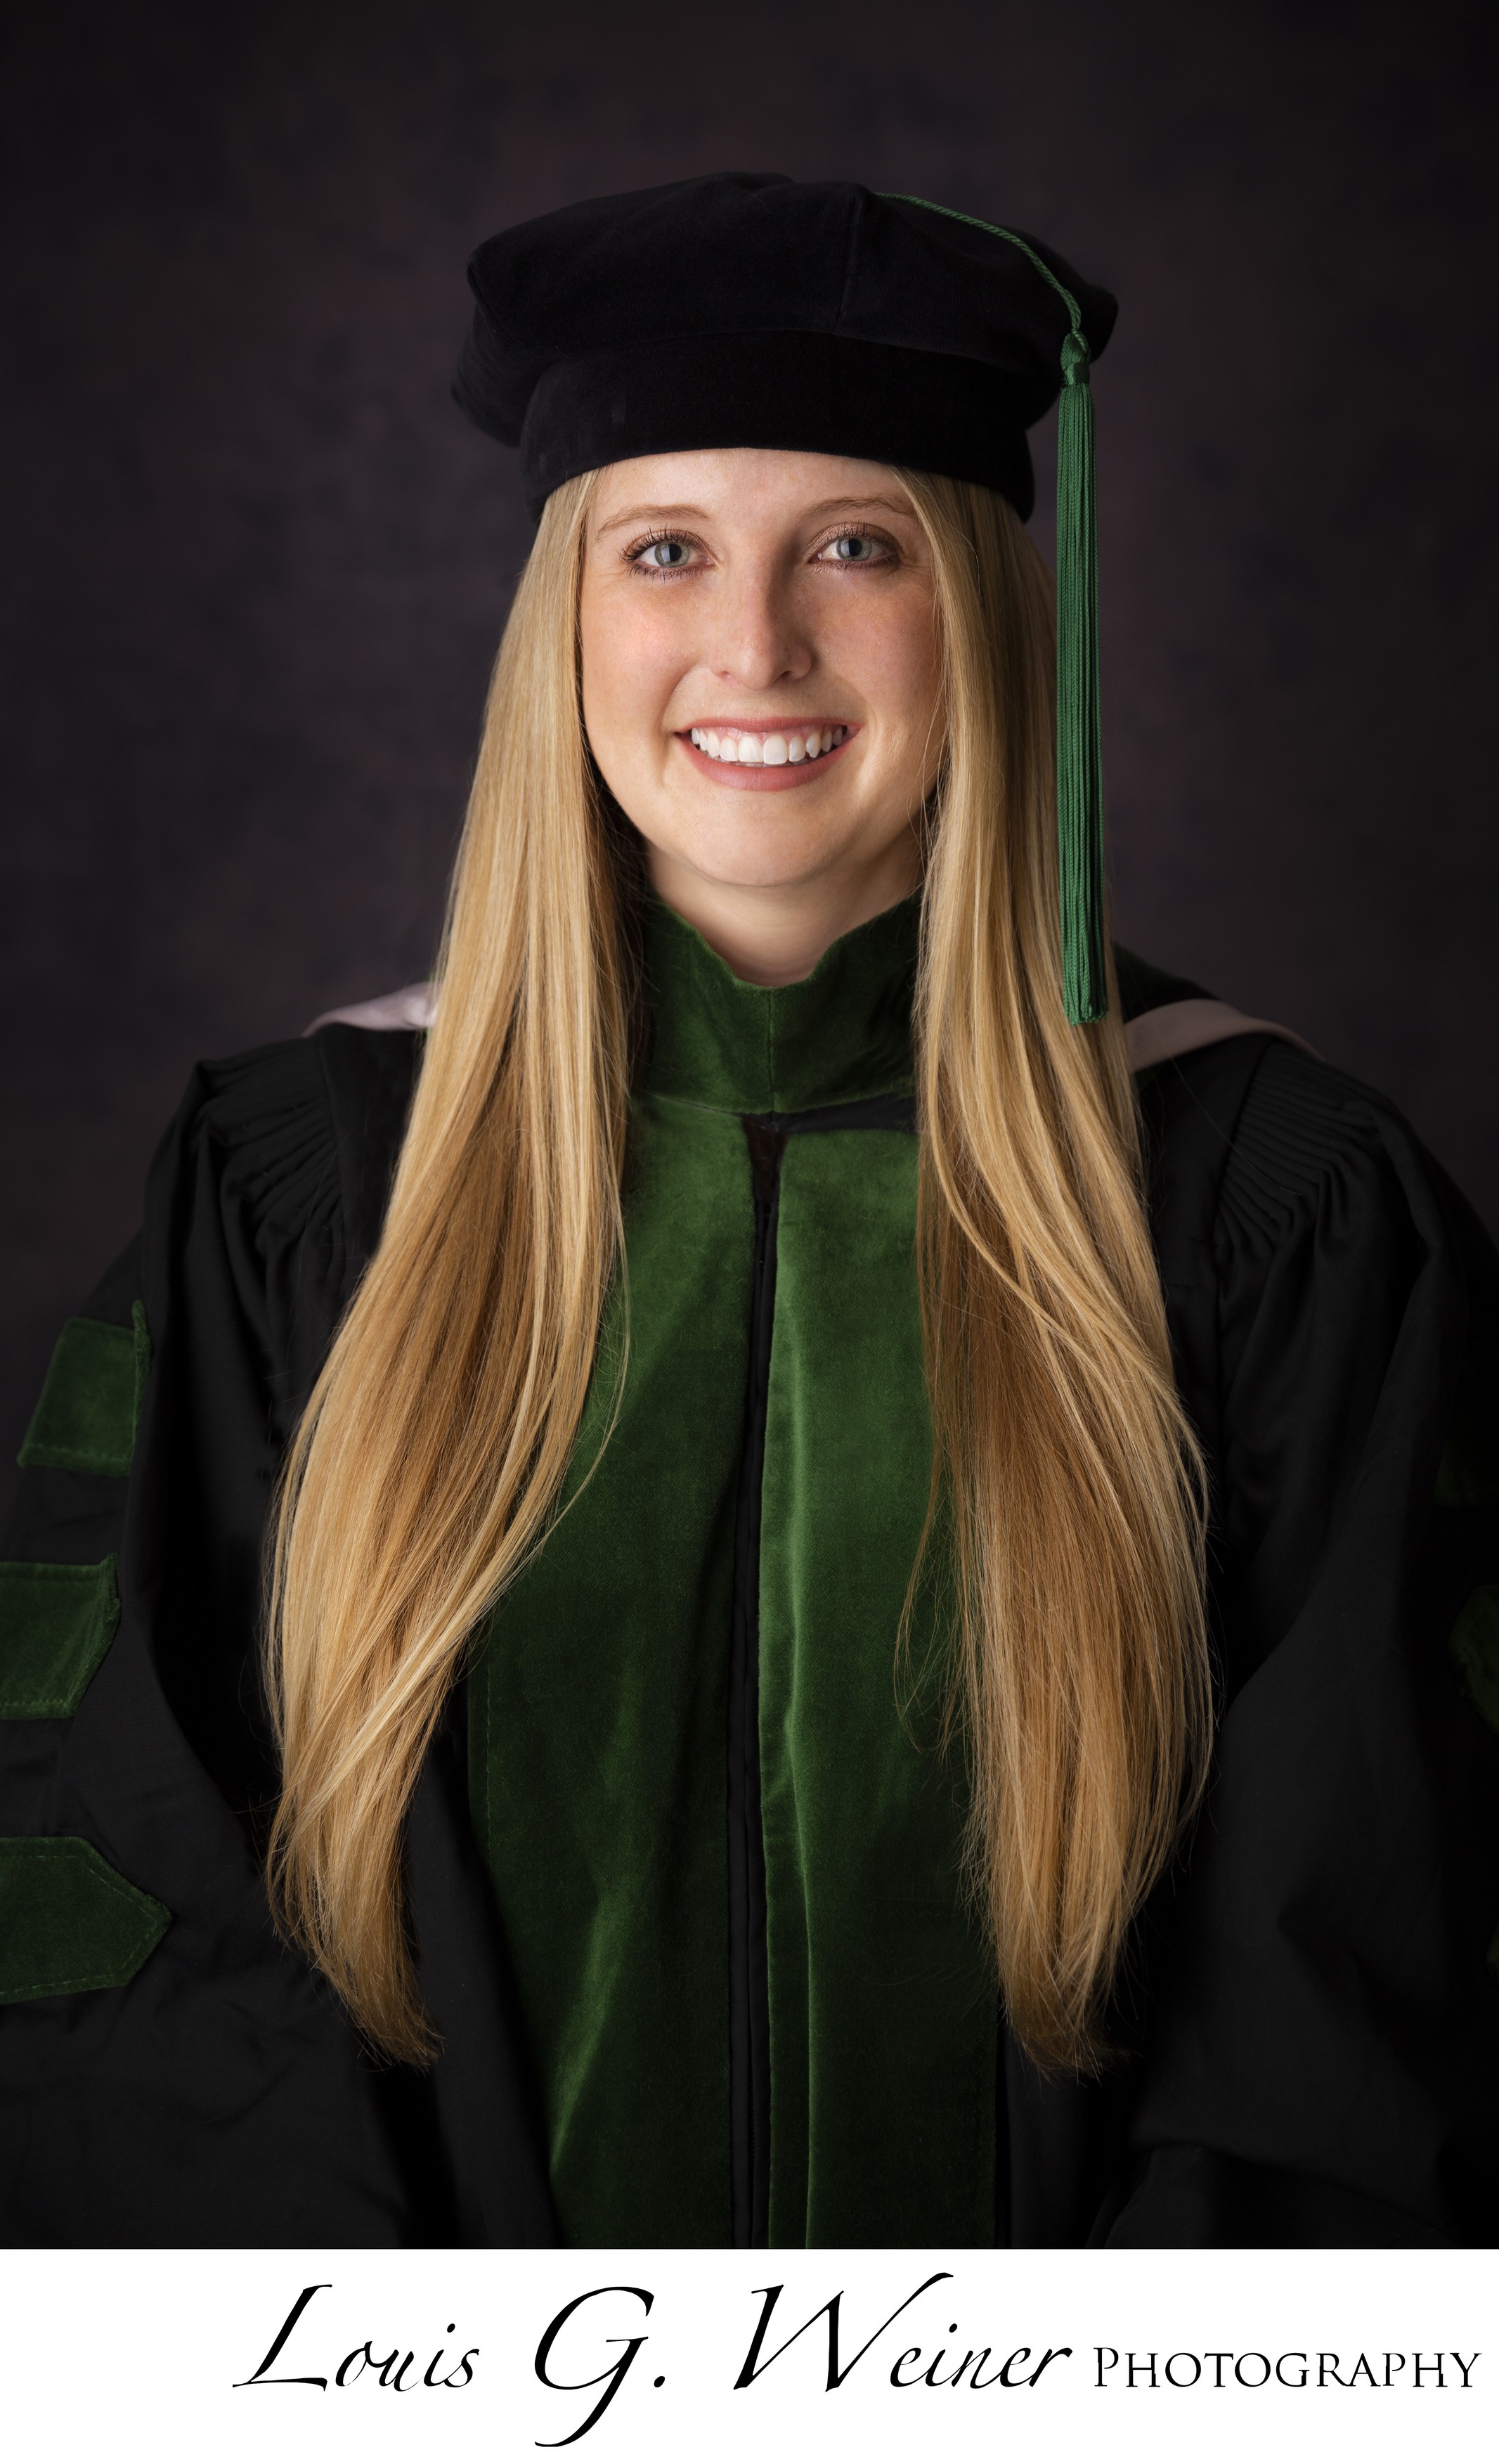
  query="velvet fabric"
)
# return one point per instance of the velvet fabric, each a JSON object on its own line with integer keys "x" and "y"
{"x": 1311, "y": 2032}
{"x": 56, "y": 1624}
{"x": 883, "y": 2011}
{"x": 216, "y": 2095}
{"x": 69, "y": 1923}
{"x": 840, "y": 1036}
{"x": 602, "y": 1687}
{"x": 743, "y": 308}
{"x": 85, "y": 1418}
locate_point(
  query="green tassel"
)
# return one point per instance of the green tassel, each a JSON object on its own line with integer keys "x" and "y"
{"x": 1079, "y": 762}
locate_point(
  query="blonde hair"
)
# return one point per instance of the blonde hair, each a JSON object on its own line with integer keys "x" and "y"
{"x": 1062, "y": 1462}
{"x": 436, "y": 1440}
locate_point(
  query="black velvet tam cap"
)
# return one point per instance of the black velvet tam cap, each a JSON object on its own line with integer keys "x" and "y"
{"x": 749, "y": 309}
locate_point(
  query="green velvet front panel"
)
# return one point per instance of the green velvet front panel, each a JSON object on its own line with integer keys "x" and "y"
{"x": 840, "y": 1035}
{"x": 598, "y": 1712}
{"x": 56, "y": 1622}
{"x": 884, "y": 2010}
{"x": 69, "y": 1923}
{"x": 85, "y": 1419}
{"x": 599, "y": 1700}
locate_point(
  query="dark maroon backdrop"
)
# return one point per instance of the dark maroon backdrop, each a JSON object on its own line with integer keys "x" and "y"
{"x": 254, "y": 565}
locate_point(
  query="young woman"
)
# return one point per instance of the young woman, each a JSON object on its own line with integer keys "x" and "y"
{"x": 873, "y": 1524}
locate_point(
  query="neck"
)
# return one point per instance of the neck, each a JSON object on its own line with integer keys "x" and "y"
{"x": 775, "y": 933}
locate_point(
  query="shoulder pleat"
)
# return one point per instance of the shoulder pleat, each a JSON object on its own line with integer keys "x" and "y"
{"x": 1302, "y": 1125}
{"x": 268, "y": 1118}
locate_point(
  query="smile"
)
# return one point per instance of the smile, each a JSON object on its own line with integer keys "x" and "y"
{"x": 769, "y": 749}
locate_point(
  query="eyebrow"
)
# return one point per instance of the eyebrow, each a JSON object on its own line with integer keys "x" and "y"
{"x": 699, "y": 513}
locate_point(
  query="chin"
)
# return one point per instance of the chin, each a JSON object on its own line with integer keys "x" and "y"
{"x": 761, "y": 857}
{"x": 758, "y": 872}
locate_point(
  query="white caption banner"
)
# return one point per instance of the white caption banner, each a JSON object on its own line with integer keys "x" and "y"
{"x": 765, "y": 2355}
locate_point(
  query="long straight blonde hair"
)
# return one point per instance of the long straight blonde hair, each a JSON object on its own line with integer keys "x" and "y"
{"x": 1066, "y": 1485}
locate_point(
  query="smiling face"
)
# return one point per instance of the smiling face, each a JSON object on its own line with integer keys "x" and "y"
{"x": 761, "y": 690}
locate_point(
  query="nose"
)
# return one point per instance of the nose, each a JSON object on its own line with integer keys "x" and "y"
{"x": 758, "y": 641}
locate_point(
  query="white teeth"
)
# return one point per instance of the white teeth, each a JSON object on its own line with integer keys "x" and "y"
{"x": 773, "y": 750}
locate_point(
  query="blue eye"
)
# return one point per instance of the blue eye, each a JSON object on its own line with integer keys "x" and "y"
{"x": 854, "y": 547}
{"x": 664, "y": 555}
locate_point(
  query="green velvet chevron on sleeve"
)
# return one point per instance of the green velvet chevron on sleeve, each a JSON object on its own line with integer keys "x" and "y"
{"x": 86, "y": 1419}
{"x": 56, "y": 1622}
{"x": 69, "y": 1923}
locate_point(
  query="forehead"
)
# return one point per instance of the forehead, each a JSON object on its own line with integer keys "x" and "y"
{"x": 748, "y": 483}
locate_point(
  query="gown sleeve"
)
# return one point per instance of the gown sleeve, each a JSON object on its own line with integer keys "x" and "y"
{"x": 169, "y": 2072}
{"x": 1322, "y": 2051}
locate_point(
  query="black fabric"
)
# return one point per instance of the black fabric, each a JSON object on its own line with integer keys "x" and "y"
{"x": 743, "y": 308}
{"x": 1313, "y": 2023}
{"x": 480, "y": 2114}
{"x": 1142, "y": 987}
{"x": 1309, "y": 2031}
{"x": 222, "y": 2098}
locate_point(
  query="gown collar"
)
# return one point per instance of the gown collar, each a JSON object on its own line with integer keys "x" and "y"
{"x": 841, "y": 1035}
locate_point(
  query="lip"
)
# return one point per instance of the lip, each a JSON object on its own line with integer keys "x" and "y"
{"x": 758, "y": 781}
{"x": 796, "y": 724}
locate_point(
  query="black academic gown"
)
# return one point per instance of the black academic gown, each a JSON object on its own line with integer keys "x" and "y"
{"x": 1311, "y": 2023}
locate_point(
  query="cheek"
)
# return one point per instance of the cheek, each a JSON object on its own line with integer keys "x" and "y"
{"x": 890, "y": 654}
{"x": 630, "y": 664}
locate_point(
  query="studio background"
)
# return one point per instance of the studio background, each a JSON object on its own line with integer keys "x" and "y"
{"x": 255, "y": 564}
